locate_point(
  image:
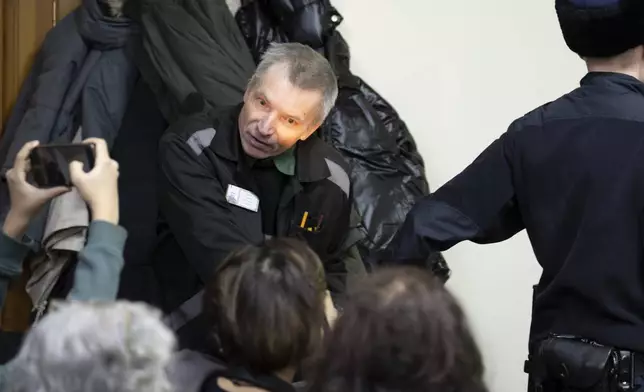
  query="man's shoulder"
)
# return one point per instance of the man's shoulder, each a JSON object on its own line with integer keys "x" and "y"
{"x": 187, "y": 126}
{"x": 330, "y": 153}
{"x": 200, "y": 127}
{"x": 578, "y": 104}
{"x": 339, "y": 169}
{"x": 537, "y": 116}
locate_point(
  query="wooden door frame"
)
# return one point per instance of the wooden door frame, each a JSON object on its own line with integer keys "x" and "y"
{"x": 23, "y": 27}
{"x": 25, "y": 24}
{"x": 63, "y": 7}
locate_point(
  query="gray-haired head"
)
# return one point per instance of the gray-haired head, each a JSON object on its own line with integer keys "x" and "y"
{"x": 79, "y": 347}
{"x": 307, "y": 70}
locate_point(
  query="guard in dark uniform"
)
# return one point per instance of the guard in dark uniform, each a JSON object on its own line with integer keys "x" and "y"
{"x": 571, "y": 173}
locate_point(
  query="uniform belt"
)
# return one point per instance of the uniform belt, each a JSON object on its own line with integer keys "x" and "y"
{"x": 573, "y": 364}
{"x": 186, "y": 312}
{"x": 629, "y": 367}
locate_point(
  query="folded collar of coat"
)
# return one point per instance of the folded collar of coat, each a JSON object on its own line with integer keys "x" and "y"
{"x": 102, "y": 31}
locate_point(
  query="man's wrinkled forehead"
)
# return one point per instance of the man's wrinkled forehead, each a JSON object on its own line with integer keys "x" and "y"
{"x": 277, "y": 88}
{"x": 275, "y": 71}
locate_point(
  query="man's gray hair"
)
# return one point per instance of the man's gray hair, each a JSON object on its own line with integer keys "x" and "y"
{"x": 101, "y": 347}
{"x": 307, "y": 70}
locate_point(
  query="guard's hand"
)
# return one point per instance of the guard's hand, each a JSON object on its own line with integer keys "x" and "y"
{"x": 99, "y": 187}
{"x": 26, "y": 199}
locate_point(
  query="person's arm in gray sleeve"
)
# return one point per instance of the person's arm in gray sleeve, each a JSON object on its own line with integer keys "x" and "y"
{"x": 100, "y": 262}
{"x": 12, "y": 253}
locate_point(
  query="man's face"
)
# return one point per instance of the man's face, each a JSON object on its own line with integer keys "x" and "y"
{"x": 276, "y": 115}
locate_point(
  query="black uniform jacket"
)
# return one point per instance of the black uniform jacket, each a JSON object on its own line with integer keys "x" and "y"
{"x": 209, "y": 200}
{"x": 572, "y": 174}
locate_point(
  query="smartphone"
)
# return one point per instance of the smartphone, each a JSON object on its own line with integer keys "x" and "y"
{"x": 50, "y": 163}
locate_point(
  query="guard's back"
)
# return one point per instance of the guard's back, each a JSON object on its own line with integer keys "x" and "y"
{"x": 578, "y": 173}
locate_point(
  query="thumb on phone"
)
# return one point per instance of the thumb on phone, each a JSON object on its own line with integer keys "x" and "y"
{"x": 54, "y": 192}
{"x": 76, "y": 171}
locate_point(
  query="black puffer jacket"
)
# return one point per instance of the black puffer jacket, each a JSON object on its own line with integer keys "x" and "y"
{"x": 388, "y": 171}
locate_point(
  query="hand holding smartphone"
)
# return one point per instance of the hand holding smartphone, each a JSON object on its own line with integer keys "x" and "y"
{"x": 55, "y": 169}
{"x": 50, "y": 163}
{"x": 26, "y": 199}
{"x": 98, "y": 186}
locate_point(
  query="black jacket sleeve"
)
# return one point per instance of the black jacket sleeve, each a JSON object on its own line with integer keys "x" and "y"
{"x": 479, "y": 205}
{"x": 335, "y": 263}
{"x": 193, "y": 202}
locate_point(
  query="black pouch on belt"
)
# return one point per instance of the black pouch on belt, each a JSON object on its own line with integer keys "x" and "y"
{"x": 563, "y": 363}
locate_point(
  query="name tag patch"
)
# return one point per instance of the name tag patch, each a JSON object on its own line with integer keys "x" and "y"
{"x": 242, "y": 198}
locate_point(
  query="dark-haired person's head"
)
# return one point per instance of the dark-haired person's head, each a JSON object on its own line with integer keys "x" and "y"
{"x": 401, "y": 330}
{"x": 266, "y": 305}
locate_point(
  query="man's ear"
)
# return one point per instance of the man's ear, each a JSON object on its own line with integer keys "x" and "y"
{"x": 314, "y": 127}
{"x": 246, "y": 95}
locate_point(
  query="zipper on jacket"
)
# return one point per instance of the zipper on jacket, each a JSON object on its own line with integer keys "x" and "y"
{"x": 286, "y": 208}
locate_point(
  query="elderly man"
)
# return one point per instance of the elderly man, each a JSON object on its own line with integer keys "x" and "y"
{"x": 242, "y": 174}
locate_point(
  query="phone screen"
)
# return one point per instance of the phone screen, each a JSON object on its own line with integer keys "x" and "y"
{"x": 50, "y": 163}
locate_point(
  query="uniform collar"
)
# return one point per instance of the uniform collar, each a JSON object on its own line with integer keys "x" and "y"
{"x": 310, "y": 162}
{"x": 617, "y": 82}
{"x": 308, "y": 165}
{"x": 285, "y": 162}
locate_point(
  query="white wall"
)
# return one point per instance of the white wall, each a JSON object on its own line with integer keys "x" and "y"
{"x": 459, "y": 72}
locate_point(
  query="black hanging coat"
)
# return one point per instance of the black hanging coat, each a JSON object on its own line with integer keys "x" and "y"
{"x": 388, "y": 175}
{"x": 191, "y": 46}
